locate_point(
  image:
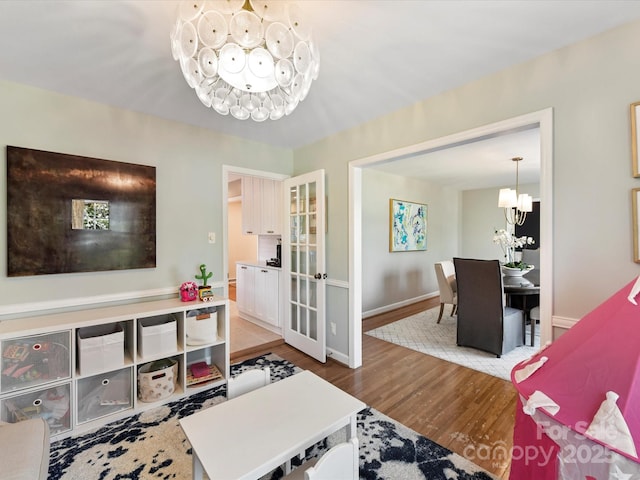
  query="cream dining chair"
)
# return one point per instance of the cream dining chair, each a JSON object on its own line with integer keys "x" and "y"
{"x": 446, "y": 275}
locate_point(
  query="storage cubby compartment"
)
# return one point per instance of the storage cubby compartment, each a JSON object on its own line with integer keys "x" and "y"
{"x": 202, "y": 326}
{"x": 157, "y": 336}
{"x": 159, "y": 380}
{"x": 104, "y": 394}
{"x": 203, "y": 366}
{"x": 53, "y": 404}
{"x": 35, "y": 360}
{"x": 83, "y": 368}
{"x": 101, "y": 348}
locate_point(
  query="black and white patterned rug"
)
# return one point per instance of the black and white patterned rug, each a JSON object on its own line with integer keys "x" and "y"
{"x": 151, "y": 445}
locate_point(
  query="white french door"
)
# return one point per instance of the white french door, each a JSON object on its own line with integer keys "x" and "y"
{"x": 303, "y": 267}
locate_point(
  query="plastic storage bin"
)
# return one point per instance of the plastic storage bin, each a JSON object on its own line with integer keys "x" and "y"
{"x": 35, "y": 360}
{"x": 157, "y": 336}
{"x": 100, "y": 348}
{"x": 53, "y": 404}
{"x": 104, "y": 394}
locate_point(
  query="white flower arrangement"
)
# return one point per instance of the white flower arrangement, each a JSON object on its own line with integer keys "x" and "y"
{"x": 509, "y": 242}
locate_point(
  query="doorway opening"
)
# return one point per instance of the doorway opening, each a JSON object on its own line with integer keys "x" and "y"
{"x": 245, "y": 336}
{"x": 544, "y": 121}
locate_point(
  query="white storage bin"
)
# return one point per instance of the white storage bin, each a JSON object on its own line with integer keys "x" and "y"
{"x": 202, "y": 326}
{"x": 157, "y": 336}
{"x": 100, "y": 348}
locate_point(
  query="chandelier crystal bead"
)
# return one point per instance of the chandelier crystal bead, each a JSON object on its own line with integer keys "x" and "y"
{"x": 248, "y": 58}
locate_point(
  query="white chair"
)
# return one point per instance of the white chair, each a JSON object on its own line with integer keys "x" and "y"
{"x": 446, "y": 275}
{"x": 338, "y": 463}
{"x": 247, "y": 381}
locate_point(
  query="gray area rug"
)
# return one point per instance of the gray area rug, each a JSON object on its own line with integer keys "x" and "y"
{"x": 151, "y": 445}
{"x": 422, "y": 333}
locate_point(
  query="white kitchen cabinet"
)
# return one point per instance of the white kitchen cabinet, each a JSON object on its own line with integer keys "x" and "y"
{"x": 258, "y": 295}
{"x": 44, "y": 360}
{"x": 271, "y": 207}
{"x": 251, "y": 205}
{"x": 266, "y": 281}
{"x": 261, "y": 206}
{"x": 245, "y": 286}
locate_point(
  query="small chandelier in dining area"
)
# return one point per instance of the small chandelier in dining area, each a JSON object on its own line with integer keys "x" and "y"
{"x": 516, "y": 205}
{"x": 251, "y": 58}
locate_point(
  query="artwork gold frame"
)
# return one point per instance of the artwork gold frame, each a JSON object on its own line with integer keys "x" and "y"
{"x": 635, "y": 208}
{"x": 407, "y": 226}
{"x": 635, "y": 137}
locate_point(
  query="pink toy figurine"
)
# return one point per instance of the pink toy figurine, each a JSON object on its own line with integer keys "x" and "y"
{"x": 188, "y": 291}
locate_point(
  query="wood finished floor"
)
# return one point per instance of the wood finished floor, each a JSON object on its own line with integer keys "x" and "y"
{"x": 469, "y": 412}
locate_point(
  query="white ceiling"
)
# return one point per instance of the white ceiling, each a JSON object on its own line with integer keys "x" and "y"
{"x": 484, "y": 163}
{"x": 376, "y": 55}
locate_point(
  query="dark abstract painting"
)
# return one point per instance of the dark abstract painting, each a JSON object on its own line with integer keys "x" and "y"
{"x": 67, "y": 213}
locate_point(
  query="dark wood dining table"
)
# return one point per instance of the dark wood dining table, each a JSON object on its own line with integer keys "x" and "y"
{"x": 524, "y": 286}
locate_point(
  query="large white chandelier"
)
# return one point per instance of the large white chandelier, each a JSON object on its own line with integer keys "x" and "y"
{"x": 251, "y": 58}
{"x": 516, "y": 206}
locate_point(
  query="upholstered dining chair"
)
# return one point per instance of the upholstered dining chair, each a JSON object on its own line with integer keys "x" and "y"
{"x": 446, "y": 275}
{"x": 340, "y": 462}
{"x": 532, "y": 257}
{"x": 484, "y": 322}
{"x": 247, "y": 381}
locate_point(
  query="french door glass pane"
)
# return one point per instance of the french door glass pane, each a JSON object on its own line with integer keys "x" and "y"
{"x": 294, "y": 229}
{"x": 313, "y": 324}
{"x": 294, "y": 258}
{"x": 302, "y": 229}
{"x": 303, "y": 322}
{"x": 303, "y": 260}
{"x": 313, "y": 294}
{"x": 312, "y": 197}
{"x": 294, "y": 288}
{"x": 312, "y": 228}
{"x": 293, "y": 200}
{"x": 313, "y": 261}
{"x": 302, "y": 199}
{"x": 303, "y": 292}
{"x": 294, "y": 317}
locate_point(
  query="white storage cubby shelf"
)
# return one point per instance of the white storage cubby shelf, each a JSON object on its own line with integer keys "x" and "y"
{"x": 80, "y": 369}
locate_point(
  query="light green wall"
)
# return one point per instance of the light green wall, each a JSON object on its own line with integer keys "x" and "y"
{"x": 590, "y": 86}
{"x": 481, "y": 217}
{"x": 390, "y": 278}
{"x": 188, "y": 163}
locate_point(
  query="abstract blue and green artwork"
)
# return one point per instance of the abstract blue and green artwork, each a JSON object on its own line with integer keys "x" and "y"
{"x": 407, "y": 225}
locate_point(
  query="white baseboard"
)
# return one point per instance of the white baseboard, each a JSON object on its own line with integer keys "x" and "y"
{"x": 338, "y": 356}
{"x": 394, "y": 306}
{"x": 563, "y": 322}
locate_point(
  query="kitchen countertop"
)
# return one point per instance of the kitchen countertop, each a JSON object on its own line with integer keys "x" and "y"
{"x": 256, "y": 263}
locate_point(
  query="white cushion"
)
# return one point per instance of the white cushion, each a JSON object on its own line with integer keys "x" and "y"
{"x": 26, "y": 445}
